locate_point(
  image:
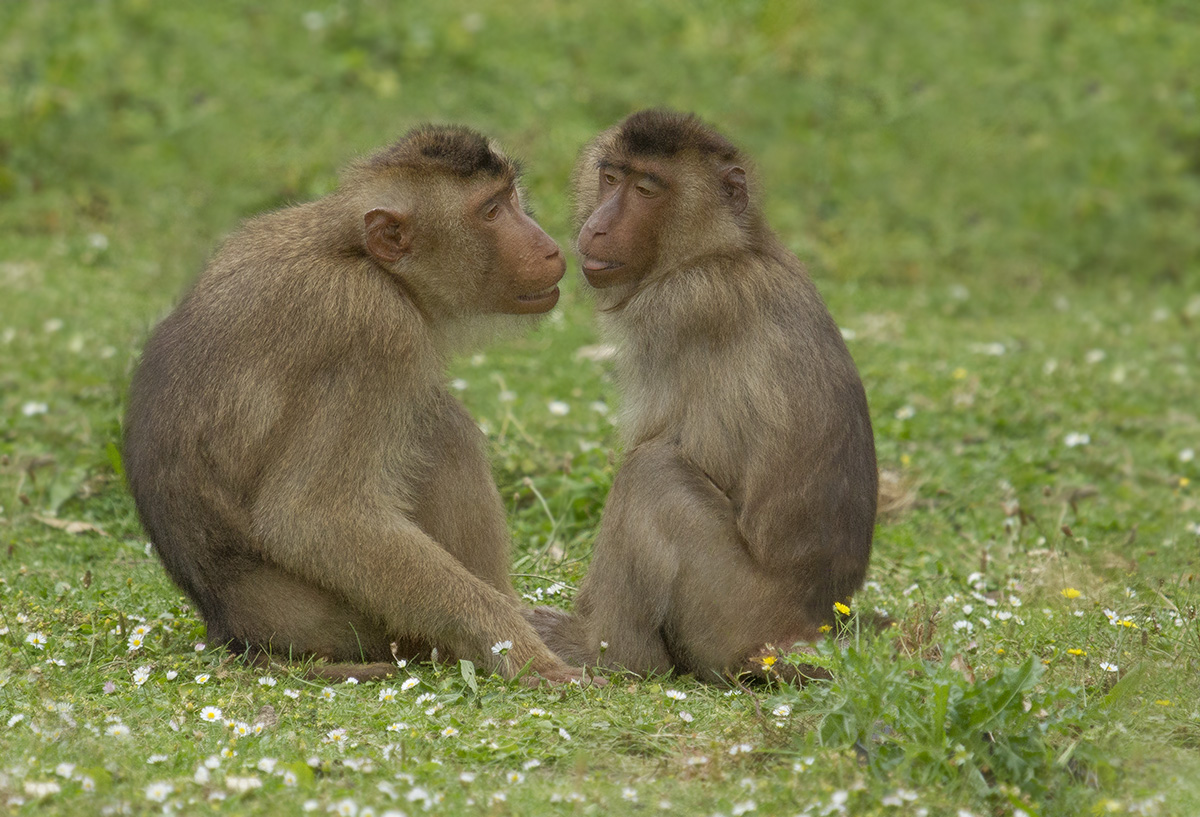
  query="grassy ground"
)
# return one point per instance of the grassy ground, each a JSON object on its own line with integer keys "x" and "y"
{"x": 999, "y": 202}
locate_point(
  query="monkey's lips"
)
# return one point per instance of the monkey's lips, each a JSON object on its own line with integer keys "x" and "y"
{"x": 541, "y": 301}
{"x": 601, "y": 274}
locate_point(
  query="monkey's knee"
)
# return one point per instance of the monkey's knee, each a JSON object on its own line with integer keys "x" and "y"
{"x": 271, "y": 611}
{"x": 630, "y": 646}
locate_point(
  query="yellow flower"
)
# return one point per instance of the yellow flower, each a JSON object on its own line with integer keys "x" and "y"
{"x": 1184, "y": 482}
{"x": 841, "y": 608}
{"x": 1074, "y": 651}
{"x": 768, "y": 660}
{"x": 999, "y": 651}
{"x": 1071, "y": 592}
{"x": 824, "y": 628}
{"x": 959, "y": 373}
{"x": 1163, "y": 702}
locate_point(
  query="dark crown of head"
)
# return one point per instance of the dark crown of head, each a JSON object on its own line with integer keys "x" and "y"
{"x": 660, "y": 132}
{"x": 450, "y": 148}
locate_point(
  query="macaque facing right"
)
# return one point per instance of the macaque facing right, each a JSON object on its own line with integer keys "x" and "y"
{"x": 305, "y": 474}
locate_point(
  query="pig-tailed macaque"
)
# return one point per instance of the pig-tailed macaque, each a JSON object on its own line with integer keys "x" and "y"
{"x": 745, "y": 504}
{"x": 295, "y": 456}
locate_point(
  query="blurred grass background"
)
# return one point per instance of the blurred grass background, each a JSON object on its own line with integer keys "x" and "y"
{"x": 1019, "y": 141}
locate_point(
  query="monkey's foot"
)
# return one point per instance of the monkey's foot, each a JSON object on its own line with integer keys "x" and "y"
{"x": 332, "y": 673}
{"x": 768, "y": 664}
{"x": 564, "y": 633}
{"x": 565, "y": 675}
{"x": 344, "y": 672}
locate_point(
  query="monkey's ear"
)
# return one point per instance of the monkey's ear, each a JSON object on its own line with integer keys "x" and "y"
{"x": 733, "y": 188}
{"x": 388, "y": 235}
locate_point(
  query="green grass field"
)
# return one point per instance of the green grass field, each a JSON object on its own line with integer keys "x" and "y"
{"x": 1001, "y": 205}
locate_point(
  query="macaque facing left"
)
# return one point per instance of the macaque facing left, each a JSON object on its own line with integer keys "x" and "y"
{"x": 745, "y": 504}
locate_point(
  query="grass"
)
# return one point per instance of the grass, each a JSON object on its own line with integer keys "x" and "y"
{"x": 998, "y": 202}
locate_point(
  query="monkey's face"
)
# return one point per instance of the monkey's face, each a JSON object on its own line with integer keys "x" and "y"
{"x": 619, "y": 240}
{"x": 528, "y": 263}
{"x": 498, "y": 258}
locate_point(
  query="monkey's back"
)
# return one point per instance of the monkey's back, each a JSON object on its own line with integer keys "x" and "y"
{"x": 230, "y": 378}
{"x": 758, "y": 391}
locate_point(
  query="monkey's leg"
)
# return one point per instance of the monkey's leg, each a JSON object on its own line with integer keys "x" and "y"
{"x": 291, "y": 618}
{"x": 727, "y": 608}
{"x": 672, "y": 582}
{"x": 381, "y": 562}
{"x": 657, "y": 508}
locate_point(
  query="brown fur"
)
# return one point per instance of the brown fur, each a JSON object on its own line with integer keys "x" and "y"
{"x": 295, "y": 457}
{"x": 745, "y": 504}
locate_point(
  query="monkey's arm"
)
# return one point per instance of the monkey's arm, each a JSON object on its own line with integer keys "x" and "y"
{"x": 808, "y": 510}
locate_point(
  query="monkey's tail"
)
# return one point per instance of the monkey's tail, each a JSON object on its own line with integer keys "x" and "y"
{"x": 563, "y": 633}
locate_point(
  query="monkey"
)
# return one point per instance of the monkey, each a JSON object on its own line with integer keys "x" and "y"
{"x": 294, "y": 455}
{"x": 745, "y": 504}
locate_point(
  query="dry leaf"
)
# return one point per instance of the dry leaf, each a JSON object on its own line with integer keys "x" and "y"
{"x": 897, "y": 494}
{"x": 69, "y": 526}
{"x": 959, "y": 664}
{"x": 599, "y": 352}
{"x": 266, "y": 716}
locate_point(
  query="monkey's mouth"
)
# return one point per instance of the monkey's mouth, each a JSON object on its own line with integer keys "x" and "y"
{"x": 601, "y": 274}
{"x": 597, "y": 265}
{"x": 539, "y": 295}
{"x": 541, "y": 301}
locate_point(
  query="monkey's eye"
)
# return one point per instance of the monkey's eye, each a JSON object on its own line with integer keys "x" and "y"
{"x": 647, "y": 190}
{"x": 492, "y": 212}
{"x": 609, "y": 178}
